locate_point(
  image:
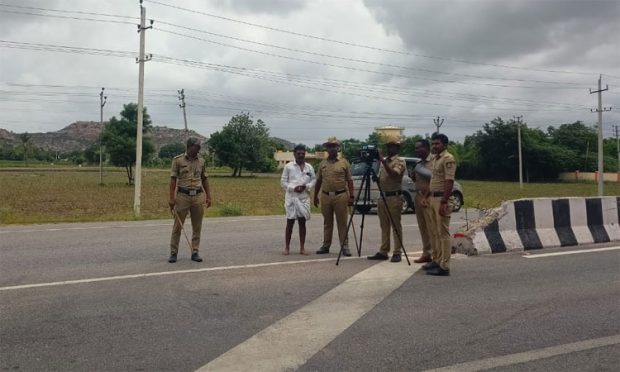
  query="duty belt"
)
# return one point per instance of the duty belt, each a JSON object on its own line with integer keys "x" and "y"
{"x": 437, "y": 194}
{"x": 392, "y": 193}
{"x": 333, "y": 193}
{"x": 190, "y": 192}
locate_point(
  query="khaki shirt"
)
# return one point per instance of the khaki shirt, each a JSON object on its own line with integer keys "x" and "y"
{"x": 189, "y": 172}
{"x": 422, "y": 183}
{"x": 334, "y": 174}
{"x": 387, "y": 182}
{"x": 444, "y": 168}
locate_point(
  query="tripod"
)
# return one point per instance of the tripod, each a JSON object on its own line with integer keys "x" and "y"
{"x": 364, "y": 208}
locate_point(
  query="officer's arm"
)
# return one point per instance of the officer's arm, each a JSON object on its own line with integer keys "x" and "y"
{"x": 450, "y": 172}
{"x": 172, "y": 191}
{"x": 205, "y": 186}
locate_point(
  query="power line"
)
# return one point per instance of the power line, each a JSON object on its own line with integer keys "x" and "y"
{"x": 365, "y": 46}
{"x": 67, "y": 17}
{"x": 69, "y": 11}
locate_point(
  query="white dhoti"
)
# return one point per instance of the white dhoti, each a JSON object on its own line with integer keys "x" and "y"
{"x": 297, "y": 205}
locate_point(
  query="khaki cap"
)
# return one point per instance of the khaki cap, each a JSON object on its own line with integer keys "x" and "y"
{"x": 332, "y": 141}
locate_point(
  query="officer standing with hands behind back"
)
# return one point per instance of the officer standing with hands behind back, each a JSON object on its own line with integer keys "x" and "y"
{"x": 334, "y": 189}
{"x": 189, "y": 192}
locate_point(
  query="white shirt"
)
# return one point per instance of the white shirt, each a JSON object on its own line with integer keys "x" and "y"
{"x": 293, "y": 175}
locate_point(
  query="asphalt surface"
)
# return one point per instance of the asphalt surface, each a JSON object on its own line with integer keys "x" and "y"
{"x": 112, "y": 317}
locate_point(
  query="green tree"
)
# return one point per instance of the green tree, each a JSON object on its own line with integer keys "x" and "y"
{"x": 119, "y": 139}
{"x": 171, "y": 150}
{"x": 580, "y": 140}
{"x": 26, "y": 146}
{"x": 243, "y": 144}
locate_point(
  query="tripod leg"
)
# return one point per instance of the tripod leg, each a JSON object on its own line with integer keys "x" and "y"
{"x": 365, "y": 185}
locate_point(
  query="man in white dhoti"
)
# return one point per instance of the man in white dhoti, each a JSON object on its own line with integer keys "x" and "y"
{"x": 297, "y": 180}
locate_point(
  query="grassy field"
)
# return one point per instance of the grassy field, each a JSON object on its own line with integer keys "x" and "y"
{"x": 41, "y": 196}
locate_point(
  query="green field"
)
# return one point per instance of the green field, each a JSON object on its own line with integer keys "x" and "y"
{"x": 42, "y": 196}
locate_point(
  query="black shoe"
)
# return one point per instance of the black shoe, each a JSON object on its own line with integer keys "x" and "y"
{"x": 323, "y": 250}
{"x": 438, "y": 271}
{"x": 196, "y": 257}
{"x": 173, "y": 258}
{"x": 378, "y": 256}
{"x": 395, "y": 258}
{"x": 429, "y": 266}
{"x": 346, "y": 252}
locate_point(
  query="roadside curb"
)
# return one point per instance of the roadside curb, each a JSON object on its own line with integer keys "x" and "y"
{"x": 537, "y": 223}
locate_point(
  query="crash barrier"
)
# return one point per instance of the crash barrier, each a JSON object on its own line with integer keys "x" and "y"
{"x": 526, "y": 224}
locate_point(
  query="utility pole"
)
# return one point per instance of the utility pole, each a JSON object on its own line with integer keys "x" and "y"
{"x": 438, "y": 123}
{"x": 599, "y": 110}
{"x": 102, "y": 101}
{"x": 617, "y": 132}
{"x": 140, "y": 60}
{"x": 518, "y": 121}
{"x": 182, "y": 106}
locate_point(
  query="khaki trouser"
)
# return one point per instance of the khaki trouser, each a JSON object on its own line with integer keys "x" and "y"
{"x": 423, "y": 215}
{"x": 395, "y": 207}
{"x": 195, "y": 206}
{"x": 338, "y": 205}
{"x": 440, "y": 232}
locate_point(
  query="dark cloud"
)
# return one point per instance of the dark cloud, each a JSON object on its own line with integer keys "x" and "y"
{"x": 496, "y": 30}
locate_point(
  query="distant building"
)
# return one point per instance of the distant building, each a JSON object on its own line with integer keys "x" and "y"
{"x": 285, "y": 157}
{"x": 389, "y": 131}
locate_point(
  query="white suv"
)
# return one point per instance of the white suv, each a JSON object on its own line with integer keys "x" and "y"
{"x": 408, "y": 186}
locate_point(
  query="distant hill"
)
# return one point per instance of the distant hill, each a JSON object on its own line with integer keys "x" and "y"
{"x": 81, "y": 134}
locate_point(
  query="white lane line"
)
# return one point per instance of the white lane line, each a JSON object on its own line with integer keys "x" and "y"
{"x": 132, "y": 225}
{"x": 571, "y": 252}
{"x": 291, "y": 341}
{"x": 177, "y": 272}
{"x": 528, "y": 356}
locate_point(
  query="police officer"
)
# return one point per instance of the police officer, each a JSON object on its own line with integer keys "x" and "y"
{"x": 442, "y": 181}
{"x": 421, "y": 174}
{"x": 334, "y": 189}
{"x": 189, "y": 192}
{"x": 389, "y": 208}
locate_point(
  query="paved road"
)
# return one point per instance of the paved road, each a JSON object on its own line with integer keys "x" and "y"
{"x": 101, "y": 296}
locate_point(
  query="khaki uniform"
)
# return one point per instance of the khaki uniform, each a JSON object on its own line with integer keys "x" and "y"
{"x": 392, "y": 189}
{"x": 334, "y": 198}
{"x": 189, "y": 174}
{"x": 423, "y": 214}
{"x": 444, "y": 168}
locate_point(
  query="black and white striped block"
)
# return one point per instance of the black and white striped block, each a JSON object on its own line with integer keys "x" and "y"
{"x": 546, "y": 222}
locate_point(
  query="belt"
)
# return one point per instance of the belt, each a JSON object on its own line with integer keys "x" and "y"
{"x": 333, "y": 193}
{"x": 437, "y": 194}
{"x": 392, "y": 193}
{"x": 190, "y": 192}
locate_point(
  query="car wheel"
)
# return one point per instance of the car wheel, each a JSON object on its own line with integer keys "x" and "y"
{"x": 407, "y": 204}
{"x": 458, "y": 201}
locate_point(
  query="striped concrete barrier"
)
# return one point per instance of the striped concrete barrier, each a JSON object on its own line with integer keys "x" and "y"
{"x": 542, "y": 223}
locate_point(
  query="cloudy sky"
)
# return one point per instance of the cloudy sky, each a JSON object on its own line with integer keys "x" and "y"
{"x": 312, "y": 68}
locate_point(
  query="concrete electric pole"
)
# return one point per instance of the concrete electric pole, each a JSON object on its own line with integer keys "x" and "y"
{"x": 140, "y": 60}
{"x": 617, "y": 132}
{"x": 518, "y": 121}
{"x": 182, "y": 106}
{"x": 102, "y": 101}
{"x": 599, "y": 110}
{"x": 438, "y": 123}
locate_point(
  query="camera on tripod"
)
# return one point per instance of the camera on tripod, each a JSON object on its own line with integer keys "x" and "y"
{"x": 369, "y": 153}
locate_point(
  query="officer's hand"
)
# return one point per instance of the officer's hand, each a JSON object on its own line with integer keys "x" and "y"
{"x": 443, "y": 209}
{"x": 424, "y": 202}
{"x": 207, "y": 201}
{"x": 350, "y": 203}
{"x": 316, "y": 201}
{"x": 172, "y": 202}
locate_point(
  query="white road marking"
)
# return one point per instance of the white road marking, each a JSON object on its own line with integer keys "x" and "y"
{"x": 177, "y": 272}
{"x": 291, "y": 341}
{"x": 541, "y": 255}
{"x": 528, "y": 356}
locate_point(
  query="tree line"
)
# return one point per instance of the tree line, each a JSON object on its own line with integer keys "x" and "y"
{"x": 245, "y": 145}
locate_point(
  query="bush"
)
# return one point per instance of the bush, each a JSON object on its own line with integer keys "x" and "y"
{"x": 230, "y": 210}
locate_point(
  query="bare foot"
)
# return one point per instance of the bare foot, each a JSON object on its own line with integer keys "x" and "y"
{"x": 286, "y": 252}
{"x": 303, "y": 252}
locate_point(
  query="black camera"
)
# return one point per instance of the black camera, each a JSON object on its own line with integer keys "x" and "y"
{"x": 369, "y": 153}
